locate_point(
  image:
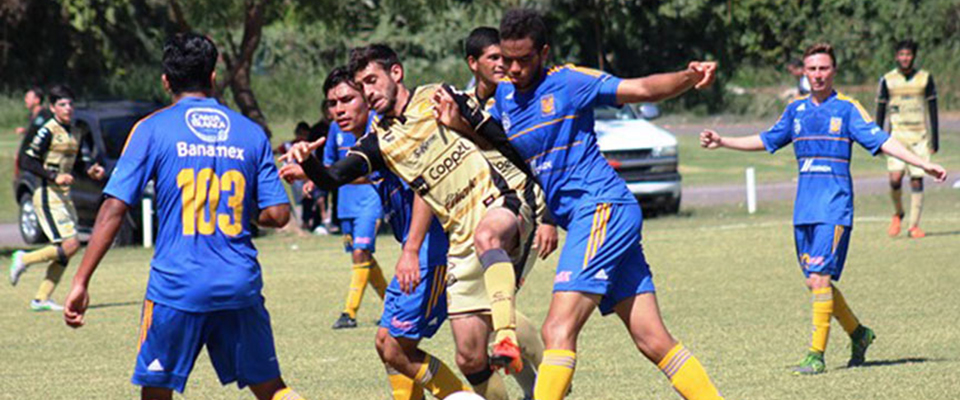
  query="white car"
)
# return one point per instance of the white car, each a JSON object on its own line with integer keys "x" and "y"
{"x": 644, "y": 155}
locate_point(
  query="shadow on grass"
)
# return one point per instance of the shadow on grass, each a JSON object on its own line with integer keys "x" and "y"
{"x": 898, "y": 361}
{"x": 117, "y": 304}
{"x": 947, "y": 233}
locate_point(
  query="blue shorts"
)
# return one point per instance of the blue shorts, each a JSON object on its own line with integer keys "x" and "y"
{"x": 822, "y": 248}
{"x": 359, "y": 233}
{"x": 603, "y": 255}
{"x": 420, "y": 314}
{"x": 239, "y": 343}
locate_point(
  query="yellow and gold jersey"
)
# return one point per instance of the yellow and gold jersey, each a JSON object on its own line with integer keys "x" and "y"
{"x": 907, "y": 97}
{"x": 55, "y": 147}
{"x": 447, "y": 170}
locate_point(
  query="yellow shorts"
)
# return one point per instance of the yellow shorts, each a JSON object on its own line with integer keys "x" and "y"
{"x": 55, "y": 211}
{"x": 920, "y": 149}
{"x": 466, "y": 292}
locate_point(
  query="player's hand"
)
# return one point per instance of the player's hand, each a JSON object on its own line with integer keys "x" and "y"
{"x": 308, "y": 189}
{"x": 710, "y": 139}
{"x": 301, "y": 150}
{"x": 936, "y": 171}
{"x": 96, "y": 172}
{"x": 64, "y": 179}
{"x": 21, "y": 130}
{"x": 707, "y": 71}
{"x": 545, "y": 240}
{"x": 447, "y": 112}
{"x": 292, "y": 172}
{"x": 408, "y": 271}
{"x": 75, "y": 306}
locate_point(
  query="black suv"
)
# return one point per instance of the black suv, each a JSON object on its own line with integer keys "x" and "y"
{"x": 102, "y": 128}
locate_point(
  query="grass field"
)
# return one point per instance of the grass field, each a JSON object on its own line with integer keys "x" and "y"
{"x": 728, "y": 286}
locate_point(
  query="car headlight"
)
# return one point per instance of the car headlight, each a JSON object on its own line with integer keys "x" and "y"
{"x": 664, "y": 151}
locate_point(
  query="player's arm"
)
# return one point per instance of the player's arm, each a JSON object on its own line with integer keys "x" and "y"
{"x": 657, "y": 87}
{"x": 931, "y": 94}
{"x": 408, "y": 266}
{"x": 362, "y": 159}
{"x": 109, "y": 220}
{"x": 892, "y": 147}
{"x": 710, "y": 139}
{"x": 31, "y": 156}
{"x": 274, "y": 216}
{"x": 883, "y": 97}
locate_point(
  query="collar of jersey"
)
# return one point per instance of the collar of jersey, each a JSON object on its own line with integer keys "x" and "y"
{"x": 194, "y": 99}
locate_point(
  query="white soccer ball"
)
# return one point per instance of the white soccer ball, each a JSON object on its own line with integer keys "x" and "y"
{"x": 463, "y": 396}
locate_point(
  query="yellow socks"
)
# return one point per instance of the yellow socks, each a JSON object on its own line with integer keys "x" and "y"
{"x": 376, "y": 279}
{"x": 286, "y": 394}
{"x": 897, "y": 196}
{"x": 54, "y": 272}
{"x": 531, "y": 348}
{"x": 358, "y": 282}
{"x": 501, "y": 283}
{"x": 916, "y": 206}
{"x": 402, "y": 386}
{"x": 43, "y": 254}
{"x": 556, "y": 372}
{"x": 687, "y": 375}
{"x": 437, "y": 377}
{"x": 822, "y": 310}
{"x": 843, "y": 314}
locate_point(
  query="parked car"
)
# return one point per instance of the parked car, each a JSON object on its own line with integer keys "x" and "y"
{"x": 102, "y": 129}
{"x": 644, "y": 155}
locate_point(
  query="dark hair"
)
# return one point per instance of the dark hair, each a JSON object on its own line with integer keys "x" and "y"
{"x": 478, "y": 41}
{"x": 522, "y": 23}
{"x": 337, "y": 76}
{"x": 382, "y": 54}
{"x": 796, "y": 63}
{"x": 908, "y": 44}
{"x": 188, "y": 61}
{"x": 37, "y": 91}
{"x": 302, "y": 126}
{"x": 821, "y": 48}
{"x": 58, "y": 92}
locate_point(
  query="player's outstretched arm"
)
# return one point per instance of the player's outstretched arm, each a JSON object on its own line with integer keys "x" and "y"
{"x": 274, "y": 216}
{"x": 658, "y": 87}
{"x": 109, "y": 219}
{"x": 710, "y": 140}
{"x": 892, "y": 147}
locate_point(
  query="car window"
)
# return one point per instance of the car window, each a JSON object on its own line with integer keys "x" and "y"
{"x": 614, "y": 113}
{"x": 115, "y": 132}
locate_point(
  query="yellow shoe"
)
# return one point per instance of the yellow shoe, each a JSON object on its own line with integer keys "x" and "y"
{"x": 894, "y": 228}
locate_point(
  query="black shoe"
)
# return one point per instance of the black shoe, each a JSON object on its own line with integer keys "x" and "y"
{"x": 345, "y": 322}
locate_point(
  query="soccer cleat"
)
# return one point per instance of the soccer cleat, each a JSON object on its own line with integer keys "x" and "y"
{"x": 44, "y": 305}
{"x": 17, "y": 267}
{"x": 345, "y": 322}
{"x": 916, "y": 233}
{"x": 811, "y": 365}
{"x": 860, "y": 341}
{"x": 506, "y": 355}
{"x": 894, "y": 228}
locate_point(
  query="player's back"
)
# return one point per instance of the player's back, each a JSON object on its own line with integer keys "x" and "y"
{"x": 213, "y": 169}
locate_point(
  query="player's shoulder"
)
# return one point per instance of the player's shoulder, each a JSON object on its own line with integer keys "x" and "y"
{"x": 851, "y": 104}
{"x": 923, "y": 74}
{"x": 572, "y": 70}
{"x": 891, "y": 74}
{"x": 797, "y": 101}
{"x": 421, "y": 105}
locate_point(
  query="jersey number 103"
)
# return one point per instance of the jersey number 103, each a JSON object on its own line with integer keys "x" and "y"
{"x": 200, "y": 194}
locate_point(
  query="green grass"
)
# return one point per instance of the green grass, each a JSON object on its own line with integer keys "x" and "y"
{"x": 740, "y": 306}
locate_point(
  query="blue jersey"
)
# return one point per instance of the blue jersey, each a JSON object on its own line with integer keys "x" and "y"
{"x": 822, "y": 138}
{"x": 398, "y": 202}
{"x": 213, "y": 170}
{"x": 551, "y": 126}
{"x": 352, "y": 200}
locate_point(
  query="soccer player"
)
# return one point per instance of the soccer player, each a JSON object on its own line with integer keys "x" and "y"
{"x": 359, "y": 207}
{"x": 214, "y": 176}
{"x": 822, "y": 128}
{"x": 33, "y": 101}
{"x": 547, "y": 116}
{"x": 51, "y": 156}
{"x": 912, "y": 97}
{"x": 484, "y": 219}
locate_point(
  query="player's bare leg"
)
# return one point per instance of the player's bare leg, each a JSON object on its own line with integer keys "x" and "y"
{"x": 916, "y": 207}
{"x": 411, "y": 370}
{"x": 896, "y": 194}
{"x": 155, "y": 393}
{"x": 569, "y": 311}
{"x": 497, "y": 231}
{"x": 470, "y": 333}
{"x": 274, "y": 389}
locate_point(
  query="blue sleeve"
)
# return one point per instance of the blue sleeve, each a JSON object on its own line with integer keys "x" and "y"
{"x": 589, "y": 88}
{"x": 494, "y": 110}
{"x": 135, "y": 167}
{"x": 779, "y": 134}
{"x": 330, "y": 147}
{"x": 270, "y": 191}
{"x": 864, "y": 131}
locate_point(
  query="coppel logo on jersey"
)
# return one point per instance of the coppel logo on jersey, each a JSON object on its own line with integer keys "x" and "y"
{"x": 209, "y": 124}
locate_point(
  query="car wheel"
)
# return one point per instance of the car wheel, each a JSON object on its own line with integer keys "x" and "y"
{"x": 673, "y": 207}
{"x": 29, "y": 223}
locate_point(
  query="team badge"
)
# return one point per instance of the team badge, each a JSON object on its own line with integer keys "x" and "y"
{"x": 835, "y": 124}
{"x": 547, "y": 106}
{"x": 208, "y": 124}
